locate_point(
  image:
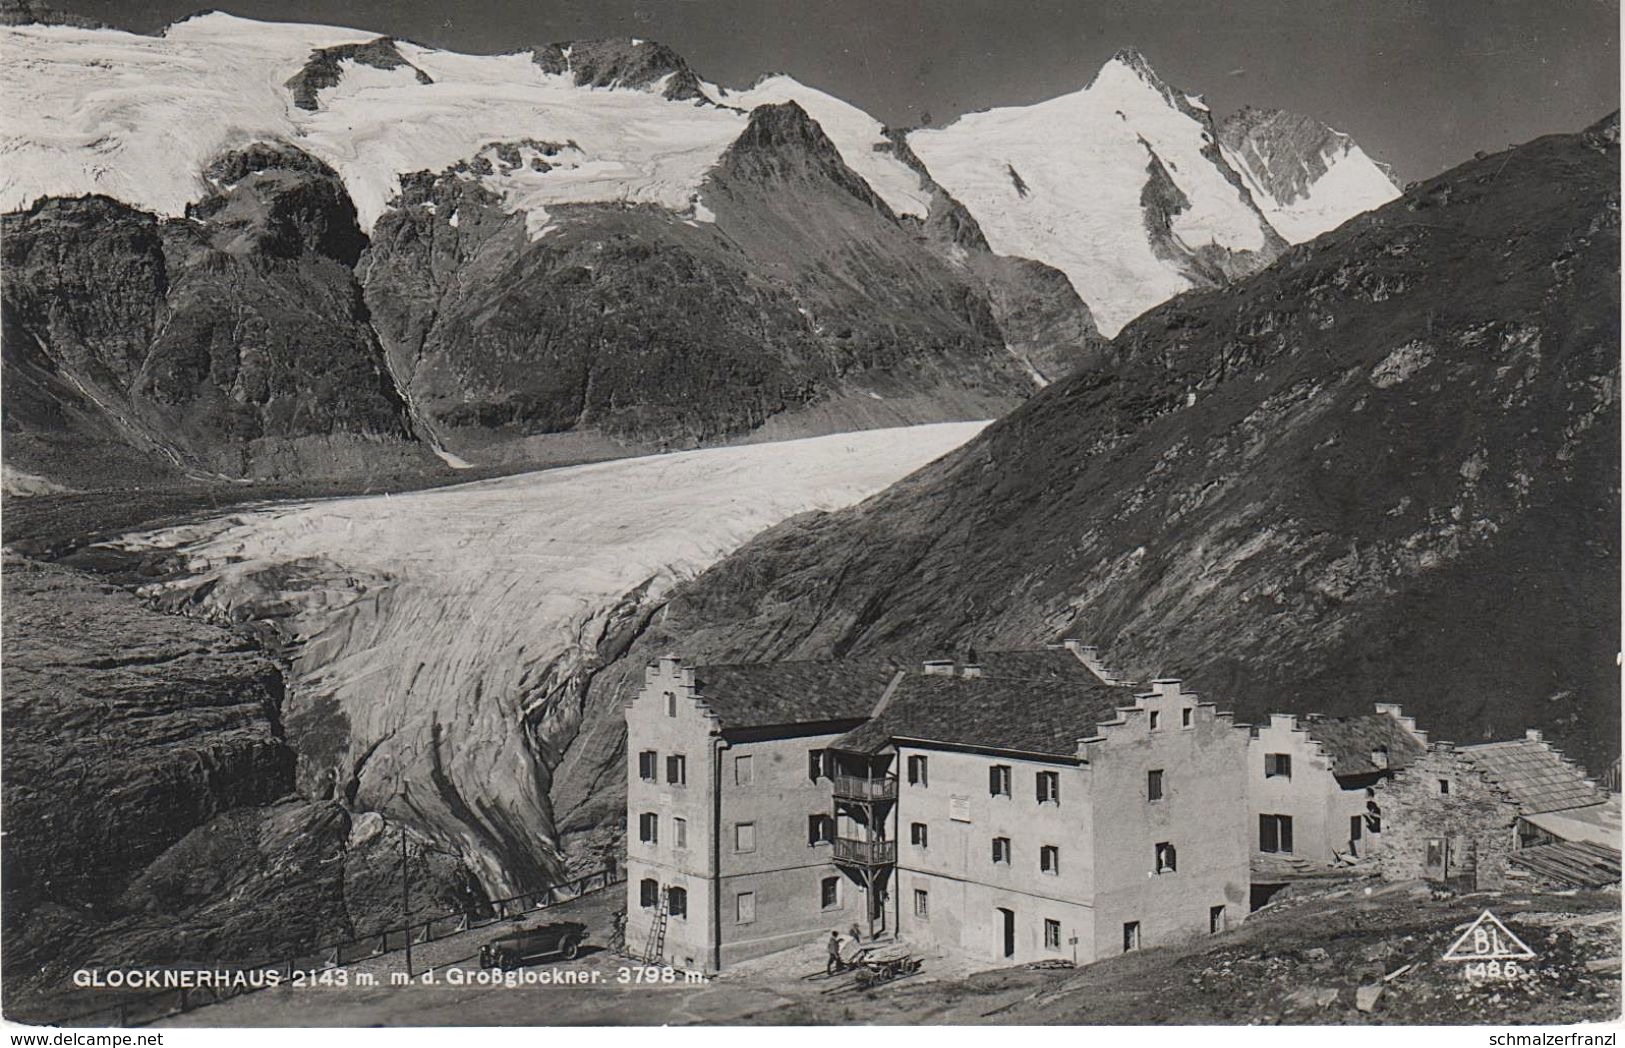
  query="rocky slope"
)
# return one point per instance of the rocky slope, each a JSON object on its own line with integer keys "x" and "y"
{"x": 1384, "y": 469}
{"x": 151, "y": 811}
{"x": 1305, "y": 177}
{"x": 233, "y": 342}
{"x": 799, "y": 304}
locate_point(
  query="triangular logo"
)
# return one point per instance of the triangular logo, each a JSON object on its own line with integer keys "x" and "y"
{"x": 1487, "y": 939}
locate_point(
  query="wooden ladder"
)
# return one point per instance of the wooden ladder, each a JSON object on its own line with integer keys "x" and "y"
{"x": 655, "y": 948}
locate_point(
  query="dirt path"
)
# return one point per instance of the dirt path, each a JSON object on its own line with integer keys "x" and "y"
{"x": 1299, "y": 962}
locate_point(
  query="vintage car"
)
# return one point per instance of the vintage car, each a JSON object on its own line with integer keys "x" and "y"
{"x": 516, "y": 949}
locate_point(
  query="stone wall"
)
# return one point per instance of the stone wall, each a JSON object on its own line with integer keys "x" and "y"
{"x": 1473, "y": 817}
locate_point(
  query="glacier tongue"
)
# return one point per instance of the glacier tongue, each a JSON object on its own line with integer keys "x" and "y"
{"x": 442, "y": 640}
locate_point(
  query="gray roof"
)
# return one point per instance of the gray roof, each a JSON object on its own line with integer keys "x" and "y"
{"x": 1040, "y": 701}
{"x": 1027, "y": 702}
{"x": 773, "y": 694}
{"x": 1534, "y": 775}
{"x": 1349, "y": 742}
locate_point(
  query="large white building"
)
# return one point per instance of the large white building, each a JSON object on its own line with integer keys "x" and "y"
{"x": 1029, "y": 805}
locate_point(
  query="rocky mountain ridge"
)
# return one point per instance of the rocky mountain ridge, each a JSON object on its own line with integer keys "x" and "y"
{"x": 583, "y": 175}
{"x": 1304, "y": 175}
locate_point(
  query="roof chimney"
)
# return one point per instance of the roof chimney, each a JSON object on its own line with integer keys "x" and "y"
{"x": 1533, "y": 735}
{"x": 938, "y": 667}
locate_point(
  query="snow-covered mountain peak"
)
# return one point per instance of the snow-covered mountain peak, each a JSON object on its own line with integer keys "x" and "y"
{"x": 1128, "y": 76}
{"x": 212, "y": 26}
{"x": 860, "y": 138}
{"x": 1119, "y": 185}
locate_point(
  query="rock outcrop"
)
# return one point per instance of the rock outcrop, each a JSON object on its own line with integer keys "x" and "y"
{"x": 627, "y": 63}
{"x": 234, "y": 343}
{"x": 1306, "y": 177}
{"x": 326, "y": 68}
{"x": 151, "y": 808}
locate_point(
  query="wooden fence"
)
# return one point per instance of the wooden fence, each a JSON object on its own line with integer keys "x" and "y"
{"x": 161, "y": 1004}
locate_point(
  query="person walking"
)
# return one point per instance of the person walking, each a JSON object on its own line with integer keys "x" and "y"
{"x": 834, "y": 964}
{"x": 855, "y": 932}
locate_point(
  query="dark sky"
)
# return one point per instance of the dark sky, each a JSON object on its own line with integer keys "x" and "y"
{"x": 1422, "y": 84}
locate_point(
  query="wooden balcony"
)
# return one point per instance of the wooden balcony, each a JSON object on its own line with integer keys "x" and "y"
{"x": 865, "y": 853}
{"x": 858, "y": 788}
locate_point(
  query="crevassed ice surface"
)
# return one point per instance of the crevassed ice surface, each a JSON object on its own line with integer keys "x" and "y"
{"x": 1083, "y": 160}
{"x": 137, "y": 118}
{"x": 433, "y": 624}
{"x": 1351, "y": 184}
{"x": 632, "y": 145}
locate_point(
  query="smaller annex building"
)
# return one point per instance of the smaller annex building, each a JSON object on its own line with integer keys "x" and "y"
{"x": 1311, "y": 785}
{"x": 1024, "y": 806}
{"x": 1464, "y": 814}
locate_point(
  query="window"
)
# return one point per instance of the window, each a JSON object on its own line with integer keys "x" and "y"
{"x": 744, "y": 836}
{"x": 1215, "y": 920}
{"x": 829, "y": 893}
{"x": 916, "y": 771}
{"x": 744, "y": 907}
{"x": 917, "y": 834}
{"x": 816, "y": 765}
{"x": 1444, "y": 787}
{"x": 677, "y": 901}
{"x": 1049, "y": 859}
{"x": 1153, "y": 785}
{"x": 1052, "y": 934}
{"x": 1277, "y": 765}
{"x": 679, "y": 833}
{"x": 820, "y": 829}
{"x": 1131, "y": 936}
{"x": 744, "y": 771}
{"x": 649, "y": 893}
{"x": 1001, "y": 850}
{"x": 1156, "y": 718}
{"x": 649, "y": 828}
{"x": 677, "y": 770}
{"x": 998, "y": 780}
{"x": 1166, "y": 859}
{"x": 1185, "y": 717}
{"x": 1049, "y": 787}
{"x": 646, "y": 765}
{"x": 922, "y": 903}
{"x": 1275, "y": 833}
{"x": 671, "y": 704}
